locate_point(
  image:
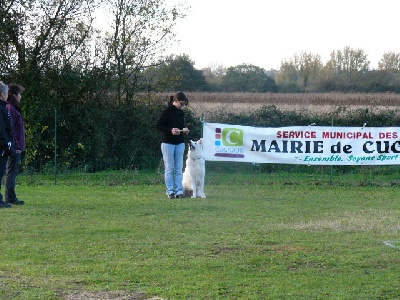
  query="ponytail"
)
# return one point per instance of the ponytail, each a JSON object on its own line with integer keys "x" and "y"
{"x": 180, "y": 97}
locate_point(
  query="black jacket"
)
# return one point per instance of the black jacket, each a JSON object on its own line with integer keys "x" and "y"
{"x": 171, "y": 117}
{"x": 5, "y": 130}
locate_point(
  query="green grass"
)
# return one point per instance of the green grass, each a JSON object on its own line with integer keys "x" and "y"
{"x": 250, "y": 239}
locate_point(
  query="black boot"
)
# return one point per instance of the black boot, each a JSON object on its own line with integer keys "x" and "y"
{"x": 5, "y": 205}
{"x": 16, "y": 202}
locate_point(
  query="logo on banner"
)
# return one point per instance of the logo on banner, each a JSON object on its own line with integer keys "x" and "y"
{"x": 229, "y": 142}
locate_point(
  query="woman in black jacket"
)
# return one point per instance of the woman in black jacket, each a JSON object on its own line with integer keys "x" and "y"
{"x": 6, "y": 143}
{"x": 172, "y": 125}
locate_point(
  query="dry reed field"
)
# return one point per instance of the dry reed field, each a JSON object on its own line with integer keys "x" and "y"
{"x": 320, "y": 102}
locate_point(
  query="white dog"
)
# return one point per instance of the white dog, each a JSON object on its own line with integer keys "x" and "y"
{"x": 193, "y": 177}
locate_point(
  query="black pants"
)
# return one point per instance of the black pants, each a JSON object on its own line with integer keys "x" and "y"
{"x": 11, "y": 177}
{"x": 3, "y": 163}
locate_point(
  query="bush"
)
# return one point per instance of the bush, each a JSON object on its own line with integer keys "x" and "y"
{"x": 113, "y": 138}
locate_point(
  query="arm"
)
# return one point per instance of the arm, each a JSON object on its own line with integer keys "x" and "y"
{"x": 3, "y": 138}
{"x": 15, "y": 128}
{"x": 162, "y": 123}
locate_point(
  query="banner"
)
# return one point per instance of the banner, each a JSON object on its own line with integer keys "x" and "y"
{"x": 309, "y": 145}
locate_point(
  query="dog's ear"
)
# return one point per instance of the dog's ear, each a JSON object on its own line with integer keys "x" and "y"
{"x": 200, "y": 141}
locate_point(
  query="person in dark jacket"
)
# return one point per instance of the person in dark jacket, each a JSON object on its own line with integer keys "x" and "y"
{"x": 6, "y": 144}
{"x": 172, "y": 126}
{"x": 18, "y": 134}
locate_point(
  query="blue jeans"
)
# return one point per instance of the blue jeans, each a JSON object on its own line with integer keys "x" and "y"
{"x": 173, "y": 164}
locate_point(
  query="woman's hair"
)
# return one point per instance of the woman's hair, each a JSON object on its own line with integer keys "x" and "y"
{"x": 13, "y": 90}
{"x": 3, "y": 88}
{"x": 180, "y": 97}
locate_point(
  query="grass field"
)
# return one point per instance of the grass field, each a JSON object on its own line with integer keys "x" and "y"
{"x": 250, "y": 239}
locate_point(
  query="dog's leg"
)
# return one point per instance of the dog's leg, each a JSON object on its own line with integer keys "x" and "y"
{"x": 194, "y": 188}
{"x": 201, "y": 188}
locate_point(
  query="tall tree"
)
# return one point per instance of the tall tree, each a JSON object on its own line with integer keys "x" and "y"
{"x": 302, "y": 70}
{"x": 140, "y": 31}
{"x": 42, "y": 39}
{"x": 288, "y": 76}
{"x": 309, "y": 67}
{"x": 42, "y": 33}
{"x": 346, "y": 68}
{"x": 390, "y": 61}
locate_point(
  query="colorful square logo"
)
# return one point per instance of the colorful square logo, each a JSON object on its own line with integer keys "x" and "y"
{"x": 229, "y": 142}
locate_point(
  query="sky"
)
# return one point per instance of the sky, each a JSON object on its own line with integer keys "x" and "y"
{"x": 266, "y": 32}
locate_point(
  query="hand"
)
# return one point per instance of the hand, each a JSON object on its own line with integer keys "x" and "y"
{"x": 175, "y": 131}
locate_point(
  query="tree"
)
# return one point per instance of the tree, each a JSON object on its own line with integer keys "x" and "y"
{"x": 380, "y": 81}
{"x": 301, "y": 70}
{"x": 41, "y": 34}
{"x": 175, "y": 73}
{"x": 248, "y": 78}
{"x": 140, "y": 31}
{"x": 390, "y": 61}
{"x": 309, "y": 68}
{"x": 214, "y": 75}
{"x": 346, "y": 68}
{"x": 41, "y": 38}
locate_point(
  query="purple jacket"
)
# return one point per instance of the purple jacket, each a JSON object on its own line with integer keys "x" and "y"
{"x": 18, "y": 131}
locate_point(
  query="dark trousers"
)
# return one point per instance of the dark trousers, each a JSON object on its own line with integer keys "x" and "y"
{"x": 11, "y": 177}
{"x": 3, "y": 164}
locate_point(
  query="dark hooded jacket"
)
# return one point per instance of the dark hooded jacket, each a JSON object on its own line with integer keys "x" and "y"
{"x": 18, "y": 127}
{"x": 6, "y": 127}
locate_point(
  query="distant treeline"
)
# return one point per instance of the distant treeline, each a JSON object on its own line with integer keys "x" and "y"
{"x": 348, "y": 70}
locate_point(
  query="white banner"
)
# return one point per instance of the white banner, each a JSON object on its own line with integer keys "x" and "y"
{"x": 310, "y": 145}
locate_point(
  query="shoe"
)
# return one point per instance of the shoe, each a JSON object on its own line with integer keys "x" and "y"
{"x": 5, "y": 205}
{"x": 16, "y": 202}
{"x": 179, "y": 196}
{"x": 171, "y": 196}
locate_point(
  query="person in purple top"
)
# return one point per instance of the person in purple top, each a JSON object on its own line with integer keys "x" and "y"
{"x": 18, "y": 133}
